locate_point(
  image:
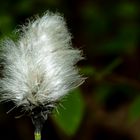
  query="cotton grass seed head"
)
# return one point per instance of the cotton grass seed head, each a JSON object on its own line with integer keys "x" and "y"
{"x": 39, "y": 68}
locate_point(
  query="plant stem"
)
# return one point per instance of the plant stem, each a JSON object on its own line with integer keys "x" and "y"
{"x": 37, "y": 135}
{"x": 38, "y": 121}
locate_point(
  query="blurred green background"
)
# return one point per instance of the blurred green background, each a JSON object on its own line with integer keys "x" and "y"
{"x": 107, "y": 105}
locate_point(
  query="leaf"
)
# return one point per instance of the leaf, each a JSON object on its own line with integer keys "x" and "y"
{"x": 69, "y": 117}
{"x": 127, "y": 10}
{"x": 134, "y": 112}
{"x": 109, "y": 69}
{"x": 103, "y": 92}
{"x": 88, "y": 71}
{"x": 6, "y": 24}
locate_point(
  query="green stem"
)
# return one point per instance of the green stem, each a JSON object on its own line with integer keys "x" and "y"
{"x": 37, "y": 135}
{"x": 38, "y": 120}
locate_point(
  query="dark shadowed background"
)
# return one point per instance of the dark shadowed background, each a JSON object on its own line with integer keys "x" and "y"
{"x": 107, "y": 105}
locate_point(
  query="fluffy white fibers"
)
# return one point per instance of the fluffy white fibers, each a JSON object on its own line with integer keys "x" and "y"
{"x": 40, "y": 67}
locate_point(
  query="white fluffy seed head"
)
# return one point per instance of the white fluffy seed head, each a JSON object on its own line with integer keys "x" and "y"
{"x": 40, "y": 67}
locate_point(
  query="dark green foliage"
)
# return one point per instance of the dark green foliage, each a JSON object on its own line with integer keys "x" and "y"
{"x": 108, "y": 33}
{"x": 70, "y": 114}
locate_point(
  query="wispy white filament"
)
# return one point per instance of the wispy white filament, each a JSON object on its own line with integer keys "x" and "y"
{"x": 40, "y": 67}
